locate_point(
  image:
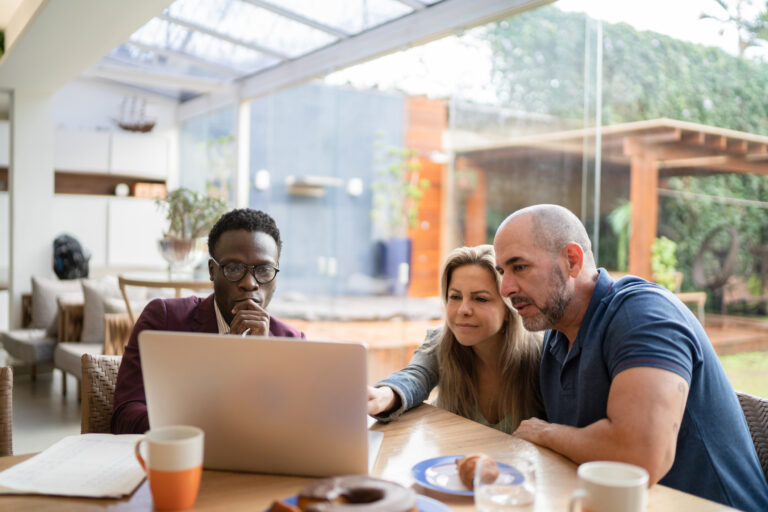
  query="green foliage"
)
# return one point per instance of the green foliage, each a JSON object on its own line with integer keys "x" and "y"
{"x": 2, "y": 43}
{"x": 538, "y": 63}
{"x": 693, "y": 220}
{"x": 538, "y": 66}
{"x": 663, "y": 262}
{"x": 190, "y": 214}
{"x": 398, "y": 190}
{"x": 619, "y": 220}
{"x": 220, "y": 152}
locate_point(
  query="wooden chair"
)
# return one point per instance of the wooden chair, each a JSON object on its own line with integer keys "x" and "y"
{"x": 176, "y": 285}
{"x": 117, "y": 330}
{"x": 6, "y": 411}
{"x": 756, "y": 412}
{"x": 98, "y": 392}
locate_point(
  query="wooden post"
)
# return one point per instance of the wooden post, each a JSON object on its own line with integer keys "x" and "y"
{"x": 643, "y": 194}
{"x": 476, "y": 223}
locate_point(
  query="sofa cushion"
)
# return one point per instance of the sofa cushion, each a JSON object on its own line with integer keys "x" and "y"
{"x": 45, "y": 294}
{"x": 29, "y": 345}
{"x": 67, "y": 356}
{"x": 103, "y": 296}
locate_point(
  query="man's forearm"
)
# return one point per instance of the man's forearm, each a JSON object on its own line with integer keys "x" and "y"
{"x": 598, "y": 441}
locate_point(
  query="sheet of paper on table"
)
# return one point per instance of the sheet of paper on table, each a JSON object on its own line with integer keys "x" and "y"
{"x": 88, "y": 465}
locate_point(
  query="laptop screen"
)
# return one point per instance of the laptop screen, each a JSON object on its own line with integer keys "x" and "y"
{"x": 270, "y": 405}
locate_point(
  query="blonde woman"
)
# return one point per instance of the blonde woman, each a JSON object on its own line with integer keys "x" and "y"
{"x": 484, "y": 362}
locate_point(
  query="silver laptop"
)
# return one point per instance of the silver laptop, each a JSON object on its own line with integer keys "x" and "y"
{"x": 268, "y": 405}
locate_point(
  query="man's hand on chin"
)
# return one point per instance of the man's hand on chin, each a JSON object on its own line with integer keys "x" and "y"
{"x": 249, "y": 318}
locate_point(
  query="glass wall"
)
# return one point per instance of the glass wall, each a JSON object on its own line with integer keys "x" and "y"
{"x": 574, "y": 103}
{"x": 207, "y": 159}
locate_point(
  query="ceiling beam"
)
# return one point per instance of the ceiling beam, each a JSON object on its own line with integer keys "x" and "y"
{"x": 285, "y": 13}
{"x": 146, "y": 78}
{"x": 224, "y": 37}
{"x": 416, "y": 5}
{"x": 57, "y": 41}
{"x": 701, "y": 161}
{"x": 738, "y": 164}
{"x": 428, "y": 24}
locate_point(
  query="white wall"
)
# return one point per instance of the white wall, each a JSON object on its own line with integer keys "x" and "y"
{"x": 31, "y": 194}
{"x": 89, "y": 104}
{"x": 116, "y": 231}
{"x": 119, "y": 232}
{"x": 5, "y": 237}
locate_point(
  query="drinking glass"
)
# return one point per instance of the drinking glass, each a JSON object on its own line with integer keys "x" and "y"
{"x": 504, "y": 482}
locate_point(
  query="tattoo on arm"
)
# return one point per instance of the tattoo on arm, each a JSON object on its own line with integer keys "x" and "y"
{"x": 680, "y": 388}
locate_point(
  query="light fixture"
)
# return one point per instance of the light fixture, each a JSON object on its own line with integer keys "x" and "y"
{"x": 261, "y": 181}
{"x": 355, "y": 187}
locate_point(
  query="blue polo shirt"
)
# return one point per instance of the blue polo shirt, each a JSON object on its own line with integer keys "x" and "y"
{"x": 631, "y": 323}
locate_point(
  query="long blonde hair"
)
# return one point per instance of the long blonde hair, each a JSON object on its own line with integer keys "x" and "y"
{"x": 518, "y": 361}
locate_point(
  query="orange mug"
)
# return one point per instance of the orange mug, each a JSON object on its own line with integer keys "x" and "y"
{"x": 174, "y": 465}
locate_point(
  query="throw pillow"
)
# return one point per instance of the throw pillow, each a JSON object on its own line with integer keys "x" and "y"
{"x": 103, "y": 296}
{"x": 45, "y": 308}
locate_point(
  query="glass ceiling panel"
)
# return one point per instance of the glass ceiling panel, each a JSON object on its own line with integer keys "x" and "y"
{"x": 127, "y": 54}
{"x": 251, "y": 24}
{"x": 228, "y": 39}
{"x": 218, "y": 52}
{"x": 351, "y": 16}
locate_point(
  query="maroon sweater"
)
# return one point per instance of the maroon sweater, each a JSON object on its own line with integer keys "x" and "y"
{"x": 188, "y": 314}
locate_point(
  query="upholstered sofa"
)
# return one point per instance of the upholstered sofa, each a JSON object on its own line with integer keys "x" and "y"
{"x": 65, "y": 319}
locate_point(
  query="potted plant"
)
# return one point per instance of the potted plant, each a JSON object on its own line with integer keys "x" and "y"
{"x": 397, "y": 193}
{"x": 190, "y": 217}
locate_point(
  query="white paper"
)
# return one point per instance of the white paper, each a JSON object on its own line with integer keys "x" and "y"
{"x": 88, "y": 465}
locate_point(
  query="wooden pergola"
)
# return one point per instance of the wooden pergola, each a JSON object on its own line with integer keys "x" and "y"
{"x": 646, "y": 148}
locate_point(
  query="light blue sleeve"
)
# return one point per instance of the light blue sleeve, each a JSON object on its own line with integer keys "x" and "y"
{"x": 414, "y": 382}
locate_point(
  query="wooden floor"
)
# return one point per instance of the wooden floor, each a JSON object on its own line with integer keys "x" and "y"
{"x": 391, "y": 343}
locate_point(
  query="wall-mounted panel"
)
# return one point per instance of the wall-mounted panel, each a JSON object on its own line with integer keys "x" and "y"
{"x": 81, "y": 151}
{"x": 134, "y": 227}
{"x": 85, "y": 218}
{"x": 139, "y": 155}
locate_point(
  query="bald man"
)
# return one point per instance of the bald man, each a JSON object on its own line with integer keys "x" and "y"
{"x": 627, "y": 371}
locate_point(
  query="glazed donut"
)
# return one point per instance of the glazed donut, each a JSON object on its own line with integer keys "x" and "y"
{"x": 356, "y": 494}
{"x": 466, "y": 469}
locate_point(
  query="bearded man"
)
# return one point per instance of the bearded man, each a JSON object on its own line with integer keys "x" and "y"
{"x": 627, "y": 371}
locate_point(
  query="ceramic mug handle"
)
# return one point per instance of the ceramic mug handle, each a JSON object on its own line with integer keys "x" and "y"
{"x": 576, "y": 497}
{"x": 138, "y": 453}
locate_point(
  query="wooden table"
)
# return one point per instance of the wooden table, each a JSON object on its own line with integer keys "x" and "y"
{"x": 420, "y": 434}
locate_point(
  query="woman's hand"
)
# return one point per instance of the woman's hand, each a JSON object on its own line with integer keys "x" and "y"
{"x": 380, "y": 399}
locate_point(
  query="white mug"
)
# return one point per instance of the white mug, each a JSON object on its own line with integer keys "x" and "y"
{"x": 173, "y": 460}
{"x": 610, "y": 487}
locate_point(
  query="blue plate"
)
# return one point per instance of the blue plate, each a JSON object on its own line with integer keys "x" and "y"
{"x": 425, "y": 503}
{"x": 440, "y": 474}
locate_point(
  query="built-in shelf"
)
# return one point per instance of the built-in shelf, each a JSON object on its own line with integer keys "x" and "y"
{"x": 88, "y": 183}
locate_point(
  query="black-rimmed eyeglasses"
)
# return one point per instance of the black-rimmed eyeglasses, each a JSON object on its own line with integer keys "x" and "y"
{"x": 235, "y": 271}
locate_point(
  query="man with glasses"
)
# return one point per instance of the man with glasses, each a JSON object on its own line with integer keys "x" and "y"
{"x": 244, "y": 246}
